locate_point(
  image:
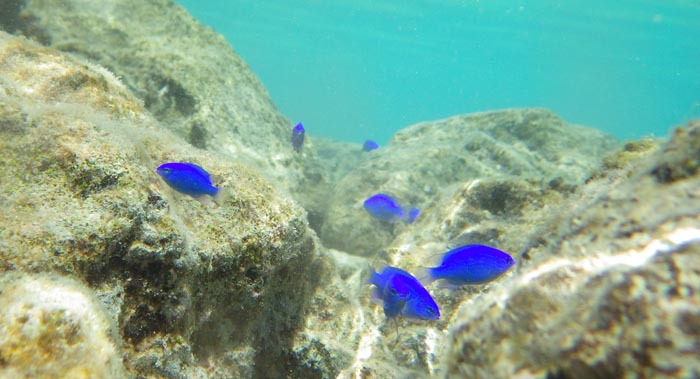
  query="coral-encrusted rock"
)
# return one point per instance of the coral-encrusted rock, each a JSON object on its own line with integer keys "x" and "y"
{"x": 426, "y": 159}
{"x": 612, "y": 289}
{"x": 52, "y": 327}
{"x": 188, "y": 77}
{"x": 187, "y": 282}
{"x": 606, "y": 285}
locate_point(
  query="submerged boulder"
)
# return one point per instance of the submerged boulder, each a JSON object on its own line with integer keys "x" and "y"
{"x": 53, "y": 327}
{"x": 605, "y": 283}
{"x": 188, "y": 78}
{"x": 608, "y": 291}
{"x": 186, "y": 282}
{"x": 423, "y": 161}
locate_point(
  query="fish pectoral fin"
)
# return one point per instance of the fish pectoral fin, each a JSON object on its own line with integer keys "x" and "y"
{"x": 393, "y": 306}
{"x": 204, "y": 200}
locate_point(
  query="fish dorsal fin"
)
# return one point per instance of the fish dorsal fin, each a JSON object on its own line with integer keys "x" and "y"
{"x": 200, "y": 170}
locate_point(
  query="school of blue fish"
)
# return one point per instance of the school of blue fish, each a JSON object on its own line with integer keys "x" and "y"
{"x": 403, "y": 294}
{"x": 400, "y": 293}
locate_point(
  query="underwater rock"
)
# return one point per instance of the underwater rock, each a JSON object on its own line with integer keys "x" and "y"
{"x": 188, "y": 77}
{"x": 605, "y": 285}
{"x": 609, "y": 293}
{"x": 346, "y": 336}
{"x": 327, "y": 161}
{"x": 53, "y": 327}
{"x": 505, "y": 212}
{"x": 187, "y": 282}
{"x": 426, "y": 159}
{"x": 338, "y": 158}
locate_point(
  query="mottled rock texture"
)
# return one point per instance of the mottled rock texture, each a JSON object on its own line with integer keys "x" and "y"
{"x": 186, "y": 283}
{"x": 606, "y": 285}
{"x": 187, "y": 76}
{"x": 606, "y": 239}
{"x": 52, "y": 327}
{"x": 612, "y": 289}
{"x": 423, "y": 161}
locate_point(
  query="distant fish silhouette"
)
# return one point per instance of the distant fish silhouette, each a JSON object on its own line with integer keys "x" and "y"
{"x": 298, "y": 137}
{"x": 370, "y": 145}
{"x": 383, "y": 207}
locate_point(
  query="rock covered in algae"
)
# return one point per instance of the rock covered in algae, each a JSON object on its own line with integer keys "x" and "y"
{"x": 605, "y": 284}
{"x": 188, "y": 77}
{"x": 345, "y": 326}
{"x": 426, "y": 159}
{"x": 610, "y": 292}
{"x": 53, "y": 327}
{"x": 186, "y": 283}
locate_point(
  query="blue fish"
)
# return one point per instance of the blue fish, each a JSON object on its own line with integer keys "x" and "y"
{"x": 188, "y": 178}
{"x": 370, "y": 145}
{"x": 298, "y": 137}
{"x": 413, "y": 214}
{"x": 402, "y": 294}
{"x": 471, "y": 264}
{"x": 383, "y": 207}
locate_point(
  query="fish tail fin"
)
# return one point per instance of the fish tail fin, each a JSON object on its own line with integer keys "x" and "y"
{"x": 424, "y": 275}
{"x": 220, "y": 196}
{"x": 373, "y": 276}
{"x": 410, "y": 214}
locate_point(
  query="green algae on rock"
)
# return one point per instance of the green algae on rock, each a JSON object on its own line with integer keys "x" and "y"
{"x": 81, "y": 198}
{"x": 606, "y": 293}
{"x": 605, "y": 284}
{"x": 54, "y": 327}
{"x": 423, "y": 160}
{"x": 187, "y": 76}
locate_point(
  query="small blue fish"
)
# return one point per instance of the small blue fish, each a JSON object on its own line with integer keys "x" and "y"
{"x": 402, "y": 294}
{"x": 370, "y": 145}
{"x": 413, "y": 214}
{"x": 188, "y": 178}
{"x": 471, "y": 264}
{"x": 383, "y": 207}
{"x": 298, "y": 137}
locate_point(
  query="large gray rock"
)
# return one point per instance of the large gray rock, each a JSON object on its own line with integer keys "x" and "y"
{"x": 185, "y": 282}
{"x": 606, "y": 281}
{"x": 425, "y": 160}
{"x": 52, "y": 327}
{"x": 187, "y": 76}
{"x": 609, "y": 291}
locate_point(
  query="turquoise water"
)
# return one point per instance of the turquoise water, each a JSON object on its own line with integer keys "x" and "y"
{"x": 352, "y": 70}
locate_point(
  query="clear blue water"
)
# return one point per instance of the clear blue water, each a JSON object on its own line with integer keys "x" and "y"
{"x": 352, "y": 70}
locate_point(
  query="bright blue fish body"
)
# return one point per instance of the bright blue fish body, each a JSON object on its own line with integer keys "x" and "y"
{"x": 187, "y": 178}
{"x": 370, "y": 145}
{"x": 383, "y": 207}
{"x": 402, "y": 294}
{"x": 471, "y": 264}
{"x": 298, "y": 137}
